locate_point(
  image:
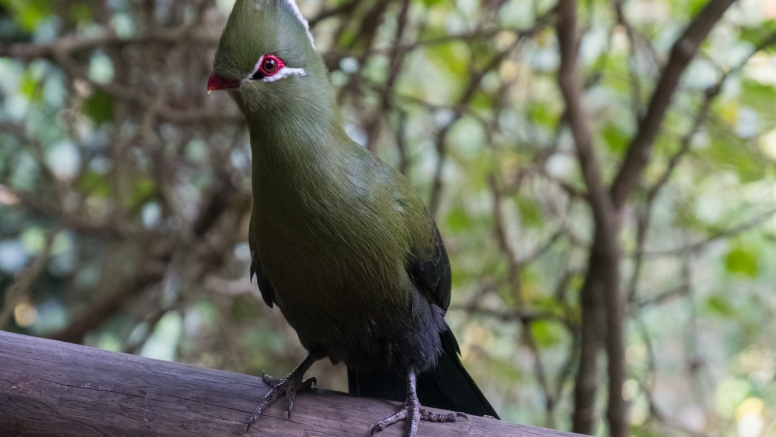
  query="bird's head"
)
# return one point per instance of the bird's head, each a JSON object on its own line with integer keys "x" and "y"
{"x": 266, "y": 56}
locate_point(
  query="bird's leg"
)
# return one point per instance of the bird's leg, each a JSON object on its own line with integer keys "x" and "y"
{"x": 414, "y": 413}
{"x": 288, "y": 385}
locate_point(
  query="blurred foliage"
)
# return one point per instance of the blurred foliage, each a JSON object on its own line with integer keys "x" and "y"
{"x": 124, "y": 191}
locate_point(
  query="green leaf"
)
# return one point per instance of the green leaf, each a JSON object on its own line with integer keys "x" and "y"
{"x": 720, "y": 306}
{"x": 757, "y": 34}
{"x": 546, "y": 333}
{"x": 695, "y": 6}
{"x": 95, "y": 184}
{"x": 453, "y": 57}
{"x": 742, "y": 262}
{"x": 530, "y": 212}
{"x": 432, "y": 2}
{"x": 29, "y": 13}
{"x": 759, "y": 96}
{"x": 736, "y": 154}
{"x": 458, "y": 220}
{"x": 540, "y": 113}
{"x": 28, "y": 86}
{"x": 99, "y": 107}
{"x": 482, "y": 101}
{"x": 615, "y": 138}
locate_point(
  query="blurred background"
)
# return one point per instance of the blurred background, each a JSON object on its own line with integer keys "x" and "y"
{"x": 124, "y": 193}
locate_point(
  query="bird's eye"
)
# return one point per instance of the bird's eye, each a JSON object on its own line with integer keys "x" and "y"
{"x": 271, "y": 68}
{"x": 270, "y": 65}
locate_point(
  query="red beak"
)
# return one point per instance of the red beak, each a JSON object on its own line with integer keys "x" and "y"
{"x": 216, "y": 82}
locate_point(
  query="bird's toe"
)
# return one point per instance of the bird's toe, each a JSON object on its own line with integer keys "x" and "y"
{"x": 270, "y": 380}
{"x": 377, "y": 428}
{"x": 385, "y": 423}
{"x": 289, "y": 386}
{"x": 431, "y": 416}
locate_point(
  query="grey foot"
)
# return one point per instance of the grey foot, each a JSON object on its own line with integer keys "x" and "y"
{"x": 288, "y": 385}
{"x": 414, "y": 413}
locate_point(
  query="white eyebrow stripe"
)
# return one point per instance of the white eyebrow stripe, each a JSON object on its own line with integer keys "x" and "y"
{"x": 284, "y": 73}
{"x": 301, "y": 19}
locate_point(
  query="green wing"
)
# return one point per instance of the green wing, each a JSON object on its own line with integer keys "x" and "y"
{"x": 267, "y": 293}
{"x": 430, "y": 272}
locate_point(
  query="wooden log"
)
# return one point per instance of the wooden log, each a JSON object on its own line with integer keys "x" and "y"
{"x": 49, "y": 388}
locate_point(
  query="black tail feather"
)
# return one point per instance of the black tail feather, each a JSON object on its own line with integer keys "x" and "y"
{"x": 447, "y": 386}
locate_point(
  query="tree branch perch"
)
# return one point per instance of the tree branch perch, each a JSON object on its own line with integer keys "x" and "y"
{"x": 52, "y": 389}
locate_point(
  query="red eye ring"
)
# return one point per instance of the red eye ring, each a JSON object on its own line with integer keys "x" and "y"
{"x": 270, "y": 65}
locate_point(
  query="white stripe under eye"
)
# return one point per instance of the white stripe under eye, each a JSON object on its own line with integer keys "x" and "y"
{"x": 284, "y": 73}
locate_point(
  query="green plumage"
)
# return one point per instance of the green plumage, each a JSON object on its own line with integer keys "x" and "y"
{"x": 340, "y": 241}
{"x": 332, "y": 228}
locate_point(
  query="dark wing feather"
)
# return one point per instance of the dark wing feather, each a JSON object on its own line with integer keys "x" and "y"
{"x": 447, "y": 385}
{"x": 431, "y": 272}
{"x": 267, "y": 293}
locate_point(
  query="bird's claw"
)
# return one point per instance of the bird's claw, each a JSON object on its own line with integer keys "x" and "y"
{"x": 413, "y": 412}
{"x": 270, "y": 380}
{"x": 381, "y": 425}
{"x": 289, "y": 385}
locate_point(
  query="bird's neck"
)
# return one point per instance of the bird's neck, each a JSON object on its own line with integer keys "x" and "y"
{"x": 290, "y": 139}
{"x": 298, "y": 153}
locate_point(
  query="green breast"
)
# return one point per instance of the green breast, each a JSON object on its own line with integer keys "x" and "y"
{"x": 331, "y": 240}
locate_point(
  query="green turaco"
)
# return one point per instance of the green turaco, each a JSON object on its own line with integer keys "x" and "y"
{"x": 340, "y": 241}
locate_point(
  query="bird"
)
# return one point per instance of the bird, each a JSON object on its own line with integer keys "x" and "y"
{"x": 339, "y": 240}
